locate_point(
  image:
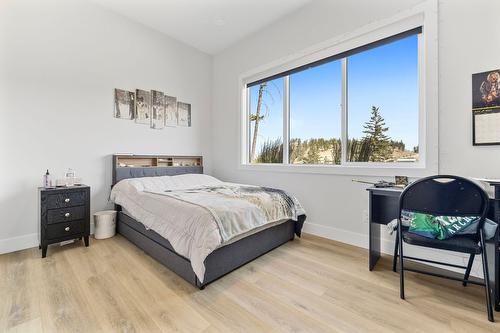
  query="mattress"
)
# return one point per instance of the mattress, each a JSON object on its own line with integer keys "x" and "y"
{"x": 161, "y": 240}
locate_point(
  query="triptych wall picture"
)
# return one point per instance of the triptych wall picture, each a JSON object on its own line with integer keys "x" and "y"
{"x": 152, "y": 108}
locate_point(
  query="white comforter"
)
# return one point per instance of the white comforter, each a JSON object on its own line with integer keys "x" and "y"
{"x": 191, "y": 229}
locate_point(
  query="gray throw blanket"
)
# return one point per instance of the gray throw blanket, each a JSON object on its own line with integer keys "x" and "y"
{"x": 241, "y": 208}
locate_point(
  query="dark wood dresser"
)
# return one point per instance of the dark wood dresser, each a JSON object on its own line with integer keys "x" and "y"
{"x": 64, "y": 215}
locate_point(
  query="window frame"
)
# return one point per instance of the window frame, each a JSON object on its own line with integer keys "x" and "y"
{"x": 422, "y": 16}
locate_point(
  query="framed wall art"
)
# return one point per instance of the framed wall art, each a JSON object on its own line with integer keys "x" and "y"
{"x": 157, "y": 109}
{"x": 151, "y": 107}
{"x": 124, "y": 104}
{"x": 170, "y": 111}
{"x": 142, "y": 107}
{"x": 184, "y": 114}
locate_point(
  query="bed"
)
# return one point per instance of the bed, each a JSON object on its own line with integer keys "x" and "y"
{"x": 138, "y": 229}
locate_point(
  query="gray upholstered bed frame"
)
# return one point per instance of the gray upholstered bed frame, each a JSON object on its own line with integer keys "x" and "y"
{"x": 218, "y": 263}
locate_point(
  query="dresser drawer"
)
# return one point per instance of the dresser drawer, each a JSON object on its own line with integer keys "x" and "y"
{"x": 65, "y": 214}
{"x": 68, "y": 199}
{"x": 61, "y": 230}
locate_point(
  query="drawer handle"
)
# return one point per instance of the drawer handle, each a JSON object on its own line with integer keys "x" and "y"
{"x": 66, "y": 229}
{"x": 67, "y": 215}
{"x": 67, "y": 200}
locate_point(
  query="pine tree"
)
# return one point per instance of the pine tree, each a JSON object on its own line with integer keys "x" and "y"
{"x": 312, "y": 155}
{"x": 271, "y": 152}
{"x": 377, "y": 141}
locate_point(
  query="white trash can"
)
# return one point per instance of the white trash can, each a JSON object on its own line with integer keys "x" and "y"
{"x": 105, "y": 224}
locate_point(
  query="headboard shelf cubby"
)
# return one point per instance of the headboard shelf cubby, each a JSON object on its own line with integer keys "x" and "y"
{"x": 132, "y": 166}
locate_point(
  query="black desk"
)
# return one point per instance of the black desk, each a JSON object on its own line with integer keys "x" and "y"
{"x": 384, "y": 207}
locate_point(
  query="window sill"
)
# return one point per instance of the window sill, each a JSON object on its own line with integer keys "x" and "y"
{"x": 351, "y": 170}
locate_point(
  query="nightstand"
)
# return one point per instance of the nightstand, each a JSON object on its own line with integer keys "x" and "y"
{"x": 64, "y": 215}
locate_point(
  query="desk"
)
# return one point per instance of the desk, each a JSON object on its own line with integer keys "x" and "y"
{"x": 384, "y": 207}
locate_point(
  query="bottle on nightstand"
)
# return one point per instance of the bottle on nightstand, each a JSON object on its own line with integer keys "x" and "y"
{"x": 47, "y": 180}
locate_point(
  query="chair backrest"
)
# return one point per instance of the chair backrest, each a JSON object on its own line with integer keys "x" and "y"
{"x": 445, "y": 195}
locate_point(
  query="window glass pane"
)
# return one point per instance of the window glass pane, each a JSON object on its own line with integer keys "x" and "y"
{"x": 383, "y": 109}
{"x": 315, "y": 115}
{"x": 266, "y": 122}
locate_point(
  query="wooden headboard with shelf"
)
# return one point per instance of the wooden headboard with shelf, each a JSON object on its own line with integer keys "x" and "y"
{"x": 134, "y": 166}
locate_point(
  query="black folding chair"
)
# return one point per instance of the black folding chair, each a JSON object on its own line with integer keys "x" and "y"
{"x": 445, "y": 195}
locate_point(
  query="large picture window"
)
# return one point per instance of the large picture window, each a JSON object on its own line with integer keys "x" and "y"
{"x": 358, "y": 107}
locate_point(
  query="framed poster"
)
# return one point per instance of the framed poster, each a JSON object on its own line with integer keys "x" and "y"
{"x": 486, "y": 108}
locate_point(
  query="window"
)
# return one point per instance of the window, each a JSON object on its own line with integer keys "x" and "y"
{"x": 266, "y": 122}
{"x": 315, "y": 115}
{"x": 382, "y": 103}
{"x": 357, "y": 107}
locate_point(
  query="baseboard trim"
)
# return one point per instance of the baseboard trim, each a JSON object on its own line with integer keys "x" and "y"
{"x": 387, "y": 246}
{"x": 18, "y": 243}
{"x": 340, "y": 235}
{"x": 336, "y": 234}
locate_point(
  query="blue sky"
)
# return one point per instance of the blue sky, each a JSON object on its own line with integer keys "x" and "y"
{"x": 386, "y": 76}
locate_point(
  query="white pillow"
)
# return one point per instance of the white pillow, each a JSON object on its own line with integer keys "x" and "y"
{"x": 164, "y": 183}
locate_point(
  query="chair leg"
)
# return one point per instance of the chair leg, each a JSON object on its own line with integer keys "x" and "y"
{"x": 395, "y": 257}
{"x": 467, "y": 271}
{"x": 486, "y": 278}
{"x": 401, "y": 266}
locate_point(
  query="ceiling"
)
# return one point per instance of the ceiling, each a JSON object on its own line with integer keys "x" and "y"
{"x": 208, "y": 25}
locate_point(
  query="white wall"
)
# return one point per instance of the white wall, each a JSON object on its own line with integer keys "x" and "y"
{"x": 336, "y": 206}
{"x": 465, "y": 48}
{"x": 59, "y": 63}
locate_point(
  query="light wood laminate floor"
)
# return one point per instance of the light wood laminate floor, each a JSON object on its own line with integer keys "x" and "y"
{"x": 308, "y": 285}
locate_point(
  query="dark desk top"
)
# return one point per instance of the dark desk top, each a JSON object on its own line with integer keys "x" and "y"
{"x": 394, "y": 191}
{"x": 491, "y": 182}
